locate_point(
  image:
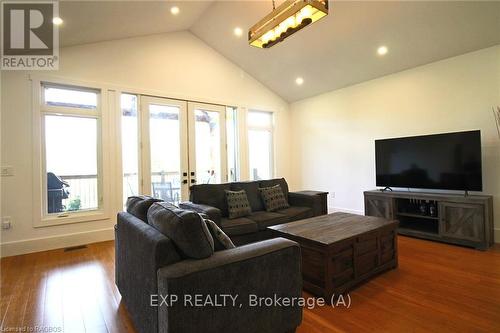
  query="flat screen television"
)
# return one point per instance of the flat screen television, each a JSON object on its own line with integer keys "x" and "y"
{"x": 450, "y": 161}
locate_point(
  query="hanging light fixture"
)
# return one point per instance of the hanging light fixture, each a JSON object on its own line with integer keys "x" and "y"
{"x": 284, "y": 21}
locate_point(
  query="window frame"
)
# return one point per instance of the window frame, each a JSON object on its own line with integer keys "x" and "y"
{"x": 41, "y": 216}
{"x": 235, "y": 123}
{"x": 269, "y": 128}
{"x": 140, "y": 179}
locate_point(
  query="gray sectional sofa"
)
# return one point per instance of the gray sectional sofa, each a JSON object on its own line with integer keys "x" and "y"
{"x": 210, "y": 199}
{"x": 149, "y": 263}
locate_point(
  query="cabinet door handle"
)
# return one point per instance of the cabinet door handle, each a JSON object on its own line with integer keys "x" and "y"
{"x": 193, "y": 181}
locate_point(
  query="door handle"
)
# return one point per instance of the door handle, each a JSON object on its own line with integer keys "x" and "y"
{"x": 185, "y": 181}
{"x": 193, "y": 181}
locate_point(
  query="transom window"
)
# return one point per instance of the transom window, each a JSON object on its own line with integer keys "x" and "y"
{"x": 69, "y": 97}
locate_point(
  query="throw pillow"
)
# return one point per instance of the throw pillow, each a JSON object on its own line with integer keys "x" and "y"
{"x": 273, "y": 198}
{"x": 221, "y": 240}
{"x": 185, "y": 228}
{"x": 237, "y": 204}
{"x": 139, "y": 205}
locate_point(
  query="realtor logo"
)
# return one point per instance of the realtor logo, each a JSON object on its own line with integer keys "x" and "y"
{"x": 30, "y": 41}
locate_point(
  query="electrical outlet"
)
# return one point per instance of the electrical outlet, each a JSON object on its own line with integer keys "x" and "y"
{"x": 6, "y": 222}
{"x": 332, "y": 195}
{"x": 7, "y": 170}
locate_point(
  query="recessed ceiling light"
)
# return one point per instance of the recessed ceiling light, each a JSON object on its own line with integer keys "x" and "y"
{"x": 175, "y": 10}
{"x": 299, "y": 81}
{"x": 57, "y": 20}
{"x": 238, "y": 31}
{"x": 382, "y": 50}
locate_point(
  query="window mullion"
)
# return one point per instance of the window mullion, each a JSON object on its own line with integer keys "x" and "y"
{"x": 60, "y": 110}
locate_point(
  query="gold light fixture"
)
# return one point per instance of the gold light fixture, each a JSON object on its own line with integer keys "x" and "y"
{"x": 284, "y": 21}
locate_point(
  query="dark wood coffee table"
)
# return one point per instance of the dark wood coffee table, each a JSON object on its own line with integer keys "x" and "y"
{"x": 340, "y": 250}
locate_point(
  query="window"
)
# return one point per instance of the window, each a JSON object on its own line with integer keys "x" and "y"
{"x": 232, "y": 144}
{"x": 70, "y": 123}
{"x": 260, "y": 144}
{"x": 130, "y": 145}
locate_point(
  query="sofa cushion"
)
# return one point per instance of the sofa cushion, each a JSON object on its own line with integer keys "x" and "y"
{"x": 239, "y": 226}
{"x": 295, "y": 213}
{"x": 138, "y": 206}
{"x": 265, "y": 219}
{"x": 237, "y": 204}
{"x": 273, "y": 198}
{"x": 277, "y": 181}
{"x": 252, "y": 191}
{"x": 211, "y": 195}
{"x": 186, "y": 229}
{"x": 221, "y": 240}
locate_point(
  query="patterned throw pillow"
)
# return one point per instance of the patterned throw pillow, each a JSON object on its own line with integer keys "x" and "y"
{"x": 237, "y": 204}
{"x": 221, "y": 240}
{"x": 273, "y": 198}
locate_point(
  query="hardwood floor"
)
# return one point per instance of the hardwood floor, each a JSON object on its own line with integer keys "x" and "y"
{"x": 437, "y": 288}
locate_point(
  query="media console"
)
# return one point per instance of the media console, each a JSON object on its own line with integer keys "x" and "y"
{"x": 450, "y": 218}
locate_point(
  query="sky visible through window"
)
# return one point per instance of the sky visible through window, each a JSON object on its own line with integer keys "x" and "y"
{"x": 260, "y": 144}
{"x": 71, "y": 145}
{"x": 70, "y": 98}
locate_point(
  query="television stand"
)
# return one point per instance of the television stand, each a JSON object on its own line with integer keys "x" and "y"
{"x": 387, "y": 188}
{"x": 451, "y": 218}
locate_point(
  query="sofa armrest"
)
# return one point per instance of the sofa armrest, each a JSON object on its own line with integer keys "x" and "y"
{"x": 213, "y": 213}
{"x": 140, "y": 250}
{"x": 316, "y": 200}
{"x": 269, "y": 268}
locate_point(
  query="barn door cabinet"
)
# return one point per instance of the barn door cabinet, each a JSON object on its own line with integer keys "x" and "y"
{"x": 379, "y": 206}
{"x": 453, "y": 218}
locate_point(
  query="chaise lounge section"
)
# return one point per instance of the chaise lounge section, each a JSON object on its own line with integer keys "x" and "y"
{"x": 210, "y": 199}
{"x": 149, "y": 263}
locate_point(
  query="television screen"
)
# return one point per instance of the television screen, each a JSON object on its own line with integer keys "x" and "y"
{"x": 450, "y": 161}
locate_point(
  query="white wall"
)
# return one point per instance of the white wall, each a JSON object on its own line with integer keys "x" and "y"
{"x": 334, "y": 133}
{"x": 176, "y": 65}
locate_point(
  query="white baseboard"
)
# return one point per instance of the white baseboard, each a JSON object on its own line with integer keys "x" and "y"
{"x": 62, "y": 241}
{"x": 345, "y": 210}
{"x": 56, "y": 242}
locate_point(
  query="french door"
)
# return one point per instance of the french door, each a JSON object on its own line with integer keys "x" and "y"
{"x": 182, "y": 144}
{"x": 207, "y": 143}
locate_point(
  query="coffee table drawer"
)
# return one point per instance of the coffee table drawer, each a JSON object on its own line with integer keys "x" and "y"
{"x": 313, "y": 266}
{"x": 366, "y": 262}
{"x": 342, "y": 261}
{"x": 366, "y": 243}
{"x": 387, "y": 242}
{"x": 387, "y": 256}
{"x": 343, "y": 278}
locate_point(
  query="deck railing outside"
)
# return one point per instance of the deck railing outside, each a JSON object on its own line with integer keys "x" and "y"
{"x": 83, "y": 189}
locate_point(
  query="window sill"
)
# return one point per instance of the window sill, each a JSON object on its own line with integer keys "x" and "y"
{"x": 71, "y": 218}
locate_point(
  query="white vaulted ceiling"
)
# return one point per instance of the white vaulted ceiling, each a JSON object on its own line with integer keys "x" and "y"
{"x": 97, "y": 21}
{"x": 338, "y": 51}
